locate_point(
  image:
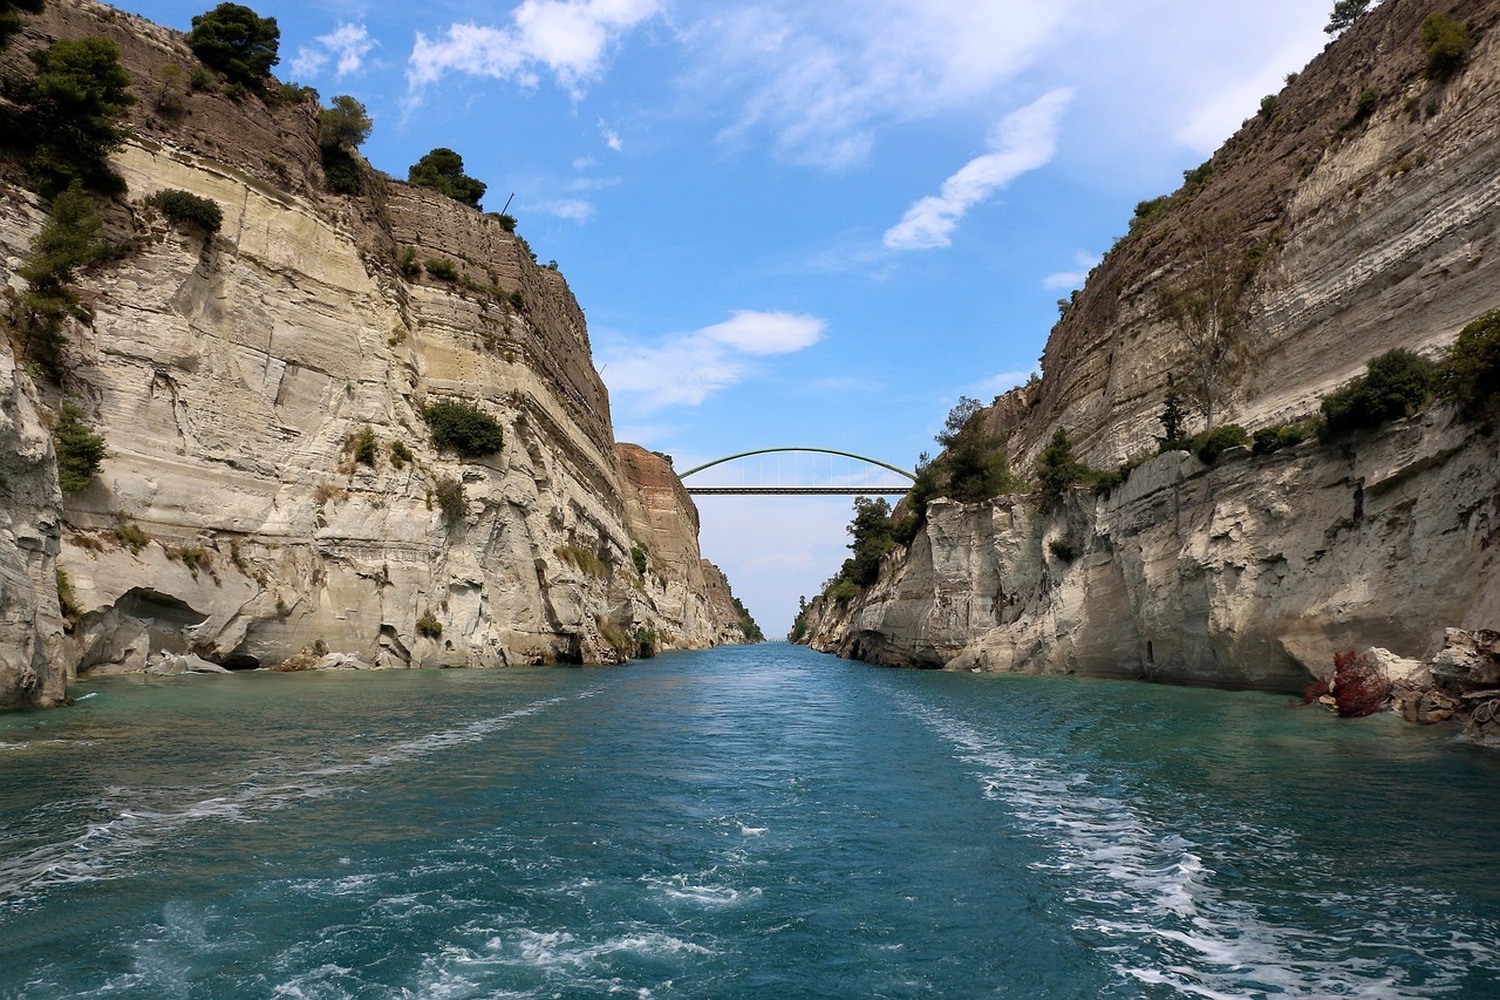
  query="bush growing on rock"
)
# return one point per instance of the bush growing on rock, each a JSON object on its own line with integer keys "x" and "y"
{"x": 400, "y": 454}
{"x": 451, "y": 500}
{"x": 69, "y": 240}
{"x": 184, "y": 207}
{"x": 342, "y": 128}
{"x": 1358, "y": 686}
{"x": 1057, "y": 468}
{"x": 428, "y": 625}
{"x": 1446, "y": 44}
{"x": 1396, "y": 384}
{"x": 463, "y": 428}
{"x": 1272, "y": 439}
{"x": 441, "y": 269}
{"x": 1209, "y": 445}
{"x": 1470, "y": 376}
{"x": 364, "y": 446}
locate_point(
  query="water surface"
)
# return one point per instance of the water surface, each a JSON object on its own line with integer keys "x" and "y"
{"x": 758, "y": 821}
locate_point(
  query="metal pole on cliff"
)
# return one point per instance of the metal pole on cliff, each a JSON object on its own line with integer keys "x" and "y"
{"x": 508, "y": 201}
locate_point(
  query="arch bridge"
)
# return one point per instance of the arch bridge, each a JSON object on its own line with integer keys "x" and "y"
{"x": 781, "y": 488}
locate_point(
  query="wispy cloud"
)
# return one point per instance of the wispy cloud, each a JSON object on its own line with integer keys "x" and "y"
{"x": 567, "y": 38}
{"x": 686, "y": 370}
{"x": 349, "y": 44}
{"x": 1023, "y": 141}
{"x": 821, "y": 79}
{"x": 1073, "y": 279}
{"x": 573, "y": 209}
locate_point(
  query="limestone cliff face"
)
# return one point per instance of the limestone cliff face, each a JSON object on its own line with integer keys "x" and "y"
{"x": 229, "y": 375}
{"x": 32, "y": 671}
{"x": 1371, "y": 232}
{"x": 662, "y": 515}
{"x": 1250, "y": 573}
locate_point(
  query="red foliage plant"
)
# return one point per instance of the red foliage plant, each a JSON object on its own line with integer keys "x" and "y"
{"x": 1314, "y": 691}
{"x": 1357, "y": 685}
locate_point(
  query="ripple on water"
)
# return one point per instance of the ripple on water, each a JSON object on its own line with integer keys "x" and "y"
{"x": 1147, "y": 896}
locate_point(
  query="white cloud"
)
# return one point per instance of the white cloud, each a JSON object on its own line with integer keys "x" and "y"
{"x": 686, "y": 370}
{"x": 822, "y": 78}
{"x": 1073, "y": 279}
{"x": 308, "y": 62}
{"x": 568, "y": 38}
{"x": 610, "y": 137}
{"x": 348, "y": 43}
{"x": 574, "y": 209}
{"x": 766, "y": 333}
{"x": 1023, "y": 141}
{"x": 583, "y": 163}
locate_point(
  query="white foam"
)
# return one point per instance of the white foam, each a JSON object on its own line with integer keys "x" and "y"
{"x": 1149, "y": 893}
{"x": 104, "y": 849}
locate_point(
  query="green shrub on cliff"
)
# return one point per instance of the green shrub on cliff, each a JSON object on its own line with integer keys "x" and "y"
{"x": 1345, "y": 13}
{"x": 747, "y": 623}
{"x": 451, "y": 500}
{"x": 184, "y": 207}
{"x": 428, "y": 626}
{"x": 441, "y": 268}
{"x": 463, "y": 428}
{"x": 1470, "y": 376}
{"x": 1396, "y": 384}
{"x": 1209, "y": 445}
{"x": 342, "y": 128}
{"x": 1272, "y": 439}
{"x": 1446, "y": 44}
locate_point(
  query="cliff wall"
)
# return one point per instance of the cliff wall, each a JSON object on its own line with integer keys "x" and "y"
{"x": 230, "y": 375}
{"x": 1371, "y": 232}
{"x": 1252, "y": 572}
{"x": 1370, "y": 229}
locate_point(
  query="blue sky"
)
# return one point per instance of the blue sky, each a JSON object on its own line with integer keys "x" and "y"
{"x": 802, "y": 224}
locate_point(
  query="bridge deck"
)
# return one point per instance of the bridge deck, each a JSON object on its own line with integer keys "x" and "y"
{"x": 832, "y": 491}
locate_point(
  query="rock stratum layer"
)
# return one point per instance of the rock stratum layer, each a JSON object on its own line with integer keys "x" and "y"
{"x": 230, "y": 375}
{"x": 1374, "y": 229}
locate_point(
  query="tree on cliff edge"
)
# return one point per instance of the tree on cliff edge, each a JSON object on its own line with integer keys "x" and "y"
{"x": 1345, "y": 13}
{"x": 238, "y": 42}
{"x": 1209, "y": 304}
{"x": 443, "y": 171}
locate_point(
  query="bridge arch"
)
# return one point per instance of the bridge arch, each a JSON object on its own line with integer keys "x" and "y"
{"x": 841, "y": 490}
{"x": 816, "y": 451}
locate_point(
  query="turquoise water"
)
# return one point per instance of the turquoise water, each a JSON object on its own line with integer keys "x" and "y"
{"x": 752, "y": 822}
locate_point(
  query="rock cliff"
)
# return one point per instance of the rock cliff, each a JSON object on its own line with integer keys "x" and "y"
{"x": 1368, "y": 196}
{"x": 231, "y": 376}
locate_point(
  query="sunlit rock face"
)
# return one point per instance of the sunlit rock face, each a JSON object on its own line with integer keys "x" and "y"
{"x": 235, "y": 518}
{"x": 1367, "y": 232}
